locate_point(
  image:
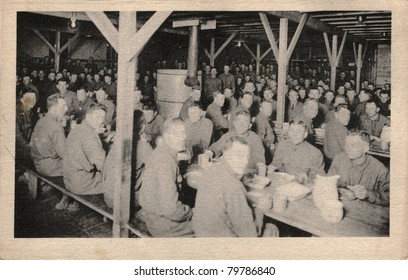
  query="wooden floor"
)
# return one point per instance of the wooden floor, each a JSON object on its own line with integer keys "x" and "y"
{"x": 39, "y": 219}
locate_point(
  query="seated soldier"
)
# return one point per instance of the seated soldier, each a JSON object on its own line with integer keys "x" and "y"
{"x": 48, "y": 139}
{"x": 141, "y": 153}
{"x": 338, "y": 100}
{"x": 24, "y": 124}
{"x": 352, "y": 99}
{"x": 195, "y": 96}
{"x": 47, "y": 143}
{"x": 373, "y": 122}
{"x": 268, "y": 96}
{"x": 314, "y": 93}
{"x": 85, "y": 156}
{"x": 242, "y": 128}
{"x": 244, "y": 104}
{"x": 214, "y": 114}
{"x": 364, "y": 96}
{"x": 198, "y": 130}
{"x": 264, "y": 130}
{"x": 154, "y": 123}
{"x": 385, "y": 104}
{"x": 164, "y": 214}
{"x": 67, "y": 95}
{"x": 101, "y": 98}
{"x": 361, "y": 173}
{"x": 336, "y": 131}
{"x": 310, "y": 111}
{"x": 81, "y": 104}
{"x": 221, "y": 208}
{"x": 295, "y": 108}
{"x": 137, "y": 100}
{"x": 230, "y": 102}
{"x": 295, "y": 155}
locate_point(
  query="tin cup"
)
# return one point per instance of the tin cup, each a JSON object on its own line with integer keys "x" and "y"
{"x": 261, "y": 169}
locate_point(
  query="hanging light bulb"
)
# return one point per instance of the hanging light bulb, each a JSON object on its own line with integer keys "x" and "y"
{"x": 73, "y": 21}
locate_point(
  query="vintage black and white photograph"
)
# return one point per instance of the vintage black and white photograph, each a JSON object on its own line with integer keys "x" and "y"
{"x": 203, "y": 124}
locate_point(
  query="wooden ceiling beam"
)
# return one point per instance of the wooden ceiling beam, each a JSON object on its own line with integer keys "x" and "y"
{"x": 354, "y": 18}
{"x": 367, "y": 22}
{"x": 317, "y": 15}
{"x": 313, "y": 23}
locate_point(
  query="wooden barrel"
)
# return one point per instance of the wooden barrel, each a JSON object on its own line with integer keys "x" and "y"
{"x": 171, "y": 91}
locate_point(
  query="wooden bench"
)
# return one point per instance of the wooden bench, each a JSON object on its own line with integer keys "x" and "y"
{"x": 94, "y": 202}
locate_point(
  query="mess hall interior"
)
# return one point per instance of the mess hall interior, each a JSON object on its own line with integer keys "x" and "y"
{"x": 203, "y": 124}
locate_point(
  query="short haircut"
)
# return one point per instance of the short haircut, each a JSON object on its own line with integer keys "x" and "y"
{"x": 341, "y": 106}
{"x": 95, "y": 108}
{"x": 63, "y": 80}
{"x": 311, "y": 100}
{"x": 368, "y": 92}
{"x": 364, "y": 135}
{"x": 171, "y": 123}
{"x": 385, "y": 92}
{"x": 298, "y": 122}
{"x": 27, "y": 90}
{"x": 149, "y": 106}
{"x": 232, "y": 140}
{"x": 215, "y": 93}
{"x": 243, "y": 113}
{"x": 196, "y": 104}
{"x": 374, "y": 101}
{"x": 82, "y": 87}
{"x": 293, "y": 90}
{"x": 52, "y": 100}
{"x": 101, "y": 89}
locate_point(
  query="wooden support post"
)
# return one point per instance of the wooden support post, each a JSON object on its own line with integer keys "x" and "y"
{"x": 124, "y": 127}
{"x": 249, "y": 50}
{"x": 359, "y": 64}
{"x": 39, "y": 34}
{"x": 296, "y": 36}
{"x": 225, "y": 44}
{"x": 269, "y": 34}
{"x": 258, "y": 59}
{"x": 212, "y": 55}
{"x": 106, "y": 27}
{"x": 265, "y": 53}
{"x": 333, "y": 64}
{"x": 343, "y": 41}
{"x": 139, "y": 39}
{"x": 57, "y": 50}
{"x": 212, "y": 52}
{"x": 327, "y": 43}
{"x": 282, "y": 70}
{"x": 70, "y": 41}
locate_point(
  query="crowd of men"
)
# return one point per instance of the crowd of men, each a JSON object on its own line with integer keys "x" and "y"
{"x": 66, "y": 125}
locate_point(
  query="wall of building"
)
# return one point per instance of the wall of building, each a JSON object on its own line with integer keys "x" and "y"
{"x": 383, "y": 65}
{"x": 30, "y": 45}
{"x": 86, "y": 47}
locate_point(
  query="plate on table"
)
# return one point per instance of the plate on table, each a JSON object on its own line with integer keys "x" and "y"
{"x": 345, "y": 194}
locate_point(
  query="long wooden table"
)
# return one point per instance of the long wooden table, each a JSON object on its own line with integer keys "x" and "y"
{"x": 375, "y": 149}
{"x": 361, "y": 219}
